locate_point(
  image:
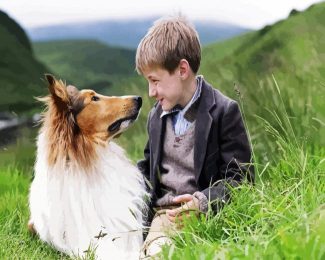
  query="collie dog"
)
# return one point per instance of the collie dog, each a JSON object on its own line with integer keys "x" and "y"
{"x": 86, "y": 194}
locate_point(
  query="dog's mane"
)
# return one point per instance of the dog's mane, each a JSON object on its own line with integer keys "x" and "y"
{"x": 65, "y": 141}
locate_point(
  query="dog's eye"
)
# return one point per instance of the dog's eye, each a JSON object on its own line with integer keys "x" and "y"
{"x": 94, "y": 98}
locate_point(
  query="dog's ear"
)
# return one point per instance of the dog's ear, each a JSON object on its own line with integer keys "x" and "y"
{"x": 57, "y": 88}
{"x": 76, "y": 101}
{"x": 73, "y": 92}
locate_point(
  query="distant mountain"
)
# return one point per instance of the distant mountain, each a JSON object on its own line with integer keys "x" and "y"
{"x": 86, "y": 63}
{"x": 20, "y": 72}
{"x": 127, "y": 33}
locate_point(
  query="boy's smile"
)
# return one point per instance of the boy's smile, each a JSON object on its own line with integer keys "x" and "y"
{"x": 169, "y": 89}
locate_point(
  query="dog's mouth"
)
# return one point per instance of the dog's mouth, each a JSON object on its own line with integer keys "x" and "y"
{"x": 122, "y": 123}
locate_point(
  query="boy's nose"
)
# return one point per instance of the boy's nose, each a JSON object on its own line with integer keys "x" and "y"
{"x": 152, "y": 91}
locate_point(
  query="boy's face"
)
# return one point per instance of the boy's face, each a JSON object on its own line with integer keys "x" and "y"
{"x": 168, "y": 89}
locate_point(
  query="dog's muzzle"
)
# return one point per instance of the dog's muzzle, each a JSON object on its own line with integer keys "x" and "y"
{"x": 117, "y": 124}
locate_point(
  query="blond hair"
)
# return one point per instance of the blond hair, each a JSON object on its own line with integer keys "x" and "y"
{"x": 168, "y": 41}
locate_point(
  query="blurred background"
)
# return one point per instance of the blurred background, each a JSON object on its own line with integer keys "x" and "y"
{"x": 92, "y": 44}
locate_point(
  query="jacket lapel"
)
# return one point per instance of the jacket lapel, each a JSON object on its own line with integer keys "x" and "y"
{"x": 202, "y": 128}
{"x": 156, "y": 136}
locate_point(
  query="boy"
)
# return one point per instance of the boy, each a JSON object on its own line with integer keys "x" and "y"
{"x": 198, "y": 147}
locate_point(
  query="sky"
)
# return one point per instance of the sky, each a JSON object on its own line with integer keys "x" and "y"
{"x": 247, "y": 13}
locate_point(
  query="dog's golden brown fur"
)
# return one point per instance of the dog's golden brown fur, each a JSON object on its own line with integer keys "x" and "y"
{"x": 84, "y": 185}
{"x": 76, "y": 121}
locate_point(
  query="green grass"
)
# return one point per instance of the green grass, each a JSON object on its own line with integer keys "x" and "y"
{"x": 281, "y": 217}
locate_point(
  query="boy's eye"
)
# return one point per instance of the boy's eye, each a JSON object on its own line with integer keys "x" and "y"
{"x": 94, "y": 98}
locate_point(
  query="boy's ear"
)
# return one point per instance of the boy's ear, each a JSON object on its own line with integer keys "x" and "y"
{"x": 57, "y": 88}
{"x": 184, "y": 68}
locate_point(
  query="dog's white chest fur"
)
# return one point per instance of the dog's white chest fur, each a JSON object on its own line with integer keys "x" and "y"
{"x": 73, "y": 209}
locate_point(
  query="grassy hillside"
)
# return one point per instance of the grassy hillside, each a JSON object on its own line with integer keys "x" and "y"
{"x": 20, "y": 72}
{"x": 89, "y": 64}
{"x": 293, "y": 51}
{"x": 291, "y": 47}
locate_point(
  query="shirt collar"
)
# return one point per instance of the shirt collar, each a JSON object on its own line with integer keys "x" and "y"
{"x": 178, "y": 108}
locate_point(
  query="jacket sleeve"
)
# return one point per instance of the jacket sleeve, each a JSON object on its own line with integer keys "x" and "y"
{"x": 235, "y": 152}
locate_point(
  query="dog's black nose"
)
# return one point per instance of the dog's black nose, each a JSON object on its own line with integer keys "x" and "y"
{"x": 138, "y": 101}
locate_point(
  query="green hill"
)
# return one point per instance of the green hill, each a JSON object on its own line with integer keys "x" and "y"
{"x": 293, "y": 50}
{"x": 20, "y": 72}
{"x": 86, "y": 63}
{"x": 291, "y": 47}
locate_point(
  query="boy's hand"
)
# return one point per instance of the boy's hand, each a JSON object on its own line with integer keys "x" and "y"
{"x": 190, "y": 205}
